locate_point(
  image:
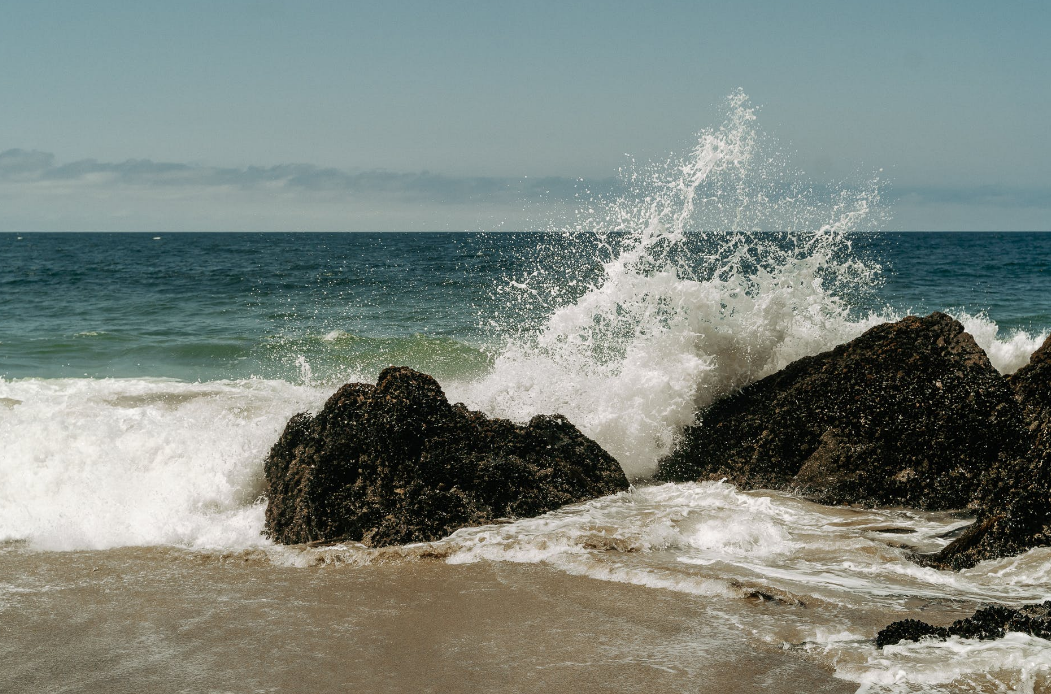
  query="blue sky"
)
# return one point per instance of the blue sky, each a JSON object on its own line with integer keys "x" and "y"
{"x": 431, "y": 115}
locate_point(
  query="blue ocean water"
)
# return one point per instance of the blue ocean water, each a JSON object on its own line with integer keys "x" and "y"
{"x": 215, "y": 306}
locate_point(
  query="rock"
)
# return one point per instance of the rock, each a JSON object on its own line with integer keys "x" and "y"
{"x": 1032, "y": 384}
{"x": 908, "y": 630}
{"x": 911, "y": 413}
{"x": 1014, "y": 499}
{"x": 396, "y": 463}
{"x": 990, "y": 622}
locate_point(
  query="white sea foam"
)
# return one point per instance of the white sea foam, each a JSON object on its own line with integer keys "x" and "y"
{"x": 712, "y": 530}
{"x": 106, "y": 463}
{"x": 833, "y": 567}
{"x": 1016, "y": 663}
{"x": 711, "y": 540}
{"x": 103, "y": 463}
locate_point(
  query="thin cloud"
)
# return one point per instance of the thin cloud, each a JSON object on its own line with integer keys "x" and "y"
{"x": 23, "y": 166}
{"x": 20, "y": 164}
{"x": 38, "y": 192}
{"x": 29, "y": 166}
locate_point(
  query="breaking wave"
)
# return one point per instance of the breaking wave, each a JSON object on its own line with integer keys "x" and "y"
{"x": 99, "y": 463}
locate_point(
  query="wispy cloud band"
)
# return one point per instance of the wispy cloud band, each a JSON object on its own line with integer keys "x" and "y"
{"x": 978, "y": 196}
{"x": 39, "y": 192}
{"x": 23, "y": 166}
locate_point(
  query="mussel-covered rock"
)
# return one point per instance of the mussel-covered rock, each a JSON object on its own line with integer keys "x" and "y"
{"x": 1014, "y": 499}
{"x": 989, "y": 622}
{"x": 396, "y": 463}
{"x": 911, "y": 413}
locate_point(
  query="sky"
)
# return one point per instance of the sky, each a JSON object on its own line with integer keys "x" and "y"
{"x": 311, "y": 115}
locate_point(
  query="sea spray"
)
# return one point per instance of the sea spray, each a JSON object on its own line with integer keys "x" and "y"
{"x": 687, "y": 294}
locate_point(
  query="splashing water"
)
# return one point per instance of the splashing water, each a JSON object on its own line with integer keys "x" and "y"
{"x": 1009, "y": 352}
{"x": 693, "y": 297}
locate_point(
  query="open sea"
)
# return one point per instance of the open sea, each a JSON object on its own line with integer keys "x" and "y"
{"x": 143, "y": 378}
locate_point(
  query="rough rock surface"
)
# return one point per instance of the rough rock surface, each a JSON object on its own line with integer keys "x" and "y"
{"x": 396, "y": 463}
{"x": 911, "y": 413}
{"x": 1032, "y": 383}
{"x": 1014, "y": 499}
{"x": 990, "y": 622}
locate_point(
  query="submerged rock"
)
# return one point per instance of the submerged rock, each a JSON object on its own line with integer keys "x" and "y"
{"x": 911, "y": 413}
{"x": 396, "y": 463}
{"x": 1014, "y": 499}
{"x": 990, "y": 622}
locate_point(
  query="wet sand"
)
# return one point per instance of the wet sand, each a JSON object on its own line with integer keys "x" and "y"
{"x": 156, "y": 620}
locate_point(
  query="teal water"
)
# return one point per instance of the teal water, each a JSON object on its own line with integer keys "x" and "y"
{"x": 232, "y": 305}
{"x": 215, "y": 306}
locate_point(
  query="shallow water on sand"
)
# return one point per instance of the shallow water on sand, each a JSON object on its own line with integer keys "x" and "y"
{"x": 138, "y": 620}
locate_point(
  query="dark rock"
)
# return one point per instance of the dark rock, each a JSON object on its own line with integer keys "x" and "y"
{"x": 911, "y": 413}
{"x": 1032, "y": 383}
{"x": 396, "y": 463}
{"x": 1014, "y": 499}
{"x": 908, "y": 630}
{"x": 990, "y": 622}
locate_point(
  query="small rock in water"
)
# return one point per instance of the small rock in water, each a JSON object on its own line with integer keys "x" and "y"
{"x": 893, "y": 531}
{"x": 396, "y": 463}
{"x": 908, "y": 630}
{"x": 990, "y": 622}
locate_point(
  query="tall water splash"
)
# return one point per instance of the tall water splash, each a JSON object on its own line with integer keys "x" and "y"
{"x": 684, "y": 295}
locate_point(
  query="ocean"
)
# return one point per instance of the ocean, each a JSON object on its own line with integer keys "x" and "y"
{"x": 143, "y": 378}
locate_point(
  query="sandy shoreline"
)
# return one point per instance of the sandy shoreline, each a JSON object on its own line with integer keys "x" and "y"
{"x": 157, "y": 620}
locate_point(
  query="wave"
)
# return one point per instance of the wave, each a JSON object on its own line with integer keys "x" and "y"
{"x": 339, "y": 356}
{"x": 94, "y": 464}
{"x": 99, "y": 463}
{"x": 1009, "y": 352}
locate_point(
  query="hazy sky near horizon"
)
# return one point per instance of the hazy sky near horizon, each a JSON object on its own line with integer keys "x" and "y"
{"x": 444, "y": 115}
